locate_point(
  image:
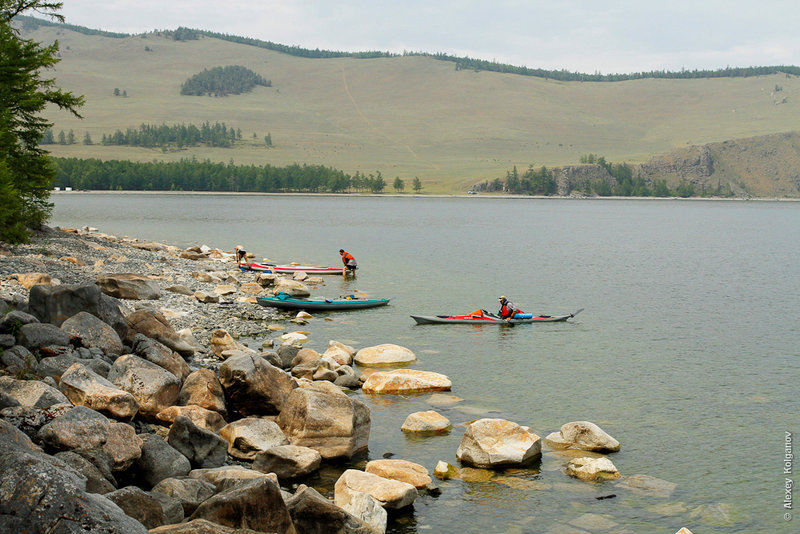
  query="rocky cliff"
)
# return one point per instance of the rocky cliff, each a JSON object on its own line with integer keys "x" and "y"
{"x": 759, "y": 167}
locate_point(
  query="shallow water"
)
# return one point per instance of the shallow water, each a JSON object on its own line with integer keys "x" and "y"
{"x": 687, "y": 351}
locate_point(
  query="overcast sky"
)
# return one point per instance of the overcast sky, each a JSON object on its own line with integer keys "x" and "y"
{"x": 612, "y": 36}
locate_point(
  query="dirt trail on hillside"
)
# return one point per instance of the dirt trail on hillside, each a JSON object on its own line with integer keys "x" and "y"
{"x": 371, "y": 126}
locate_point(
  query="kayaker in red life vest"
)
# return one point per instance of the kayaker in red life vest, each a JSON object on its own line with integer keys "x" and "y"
{"x": 349, "y": 262}
{"x": 507, "y": 309}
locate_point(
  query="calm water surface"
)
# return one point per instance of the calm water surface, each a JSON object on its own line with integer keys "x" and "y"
{"x": 687, "y": 352}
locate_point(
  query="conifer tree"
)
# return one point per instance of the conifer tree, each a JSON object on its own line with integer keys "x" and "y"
{"x": 26, "y": 174}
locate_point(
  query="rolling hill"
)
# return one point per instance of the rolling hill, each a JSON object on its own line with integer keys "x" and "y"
{"x": 413, "y": 115}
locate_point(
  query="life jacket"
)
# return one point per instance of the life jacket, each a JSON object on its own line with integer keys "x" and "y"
{"x": 509, "y": 310}
{"x": 346, "y": 256}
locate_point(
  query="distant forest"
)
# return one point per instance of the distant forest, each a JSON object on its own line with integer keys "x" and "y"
{"x": 461, "y": 63}
{"x": 223, "y": 81}
{"x": 193, "y": 175}
{"x": 625, "y": 184}
{"x": 179, "y": 135}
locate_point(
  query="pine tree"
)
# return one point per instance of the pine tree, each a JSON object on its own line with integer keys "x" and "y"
{"x": 26, "y": 174}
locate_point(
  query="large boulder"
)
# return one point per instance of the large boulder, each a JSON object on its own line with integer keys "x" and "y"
{"x": 288, "y": 461}
{"x": 201, "y": 417}
{"x": 86, "y": 388}
{"x": 200, "y": 526}
{"x": 139, "y": 505}
{"x": 153, "y": 387}
{"x": 401, "y": 470}
{"x": 255, "y": 504}
{"x": 221, "y": 341}
{"x": 190, "y": 492}
{"x": 155, "y": 325}
{"x": 40, "y": 493}
{"x": 311, "y": 512}
{"x": 497, "y": 442}
{"x": 159, "y": 461}
{"x": 403, "y": 381}
{"x": 161, "y": 355}
{"x": 202, "y": 447}
{"x": 253, "y": 386}
{"x": 582, "y": 435}
{"x": 31, "y": 392}
{"x": 386, "y": 354}
{"x": 335, "y": 425}
{"x": 129, "y": 286}
{"x": 11, "y": 322}
{"x": 292, "y": 287}
{"x": 55, "y": 304}
{"x": 34, "y": 336}
{"x": 55, "y": 366}
{"x": 227, "y": 476}
{"x": 96, "y": 481}
{"x": 390, "y": 494}
{"x": 84, "y": 430}
{"x": 202, "y": 388}
{"x": 340, "y": 353}
{"x": 29, "y": 419}
{"x": 249, "y": 436}
{"x": 92, "y": 332}
{"x": 429, "y": 422}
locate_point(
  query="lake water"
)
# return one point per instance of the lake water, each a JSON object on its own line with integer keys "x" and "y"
{"x": 688, "y": 351}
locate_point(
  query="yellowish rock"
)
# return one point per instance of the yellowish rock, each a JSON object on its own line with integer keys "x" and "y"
{"x": 429, "y": 422}
{"x": 400, "y": 381}
{"x": 28, "y": 280}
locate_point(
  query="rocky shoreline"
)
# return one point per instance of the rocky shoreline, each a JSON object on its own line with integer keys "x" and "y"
{"x": 128, "y": 403}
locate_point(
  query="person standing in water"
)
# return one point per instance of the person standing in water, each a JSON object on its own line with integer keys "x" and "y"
{"x": 349, "y": 262}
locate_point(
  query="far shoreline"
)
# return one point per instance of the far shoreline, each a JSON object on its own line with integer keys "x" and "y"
{"x": 415, "y": 195}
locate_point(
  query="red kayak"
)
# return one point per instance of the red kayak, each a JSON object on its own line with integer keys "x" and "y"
{"x": 288, "y": 269}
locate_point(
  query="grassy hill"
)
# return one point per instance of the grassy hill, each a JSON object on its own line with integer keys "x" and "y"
{"x": 402, "y": 116}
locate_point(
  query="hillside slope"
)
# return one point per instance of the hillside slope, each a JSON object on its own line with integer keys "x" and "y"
{"x": 403, "y": 116}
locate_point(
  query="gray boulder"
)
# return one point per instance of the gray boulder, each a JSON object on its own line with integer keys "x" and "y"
{"x": 139, "y": 505}
{"x": 96, "y": 482}
{"x": 55, "y": 304}
{"x": 159, "y": 461}
{"x": 288, "y": 461}
{"x": 31, "y": 393}
{"x": 34, "y": 336}
{"x": 255, "y": 504}
{"x": 91, "y": 332}
{"x": 56, "y": 366}
{"x": 40, "y": 493}
{"x": 161, "y": 355}
{"x": 11, "y": 322}
{"x": 86, "y": 388}
{"x": 154, "y": 325}
{"x": 190, "y": 492}
{"x": 253, "y": 386}
{"x": 84, "y": 430}
{"x": 153, "y": 387}
{"x": 202, "y": 447}
{"x": 310, "y": 511}
{"x": 30, "y": 420}
{"x": 129, "y": 286}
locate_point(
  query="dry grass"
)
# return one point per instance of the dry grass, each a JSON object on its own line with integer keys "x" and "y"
{"x": 407, "y": 116}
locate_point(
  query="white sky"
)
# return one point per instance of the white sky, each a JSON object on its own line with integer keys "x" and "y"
{"x": 606, "y": 36}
